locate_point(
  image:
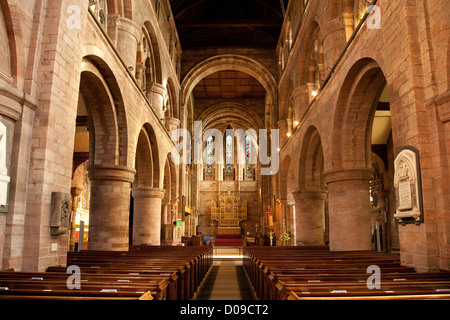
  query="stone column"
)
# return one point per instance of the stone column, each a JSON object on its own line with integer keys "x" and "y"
{"x": 109, "y": 207}
{"x": 156, "y": 94}
{"x": 128, "y": 36}
{"x": 172, "y": 124}
{"x": 75, "y": 192}
{"x": 140, "y": 74}
{"x": 282, "y": 125}
{"x": 310, "y": 217}
{"x": 147, "y": 216}
{"x": 349, "y": 209}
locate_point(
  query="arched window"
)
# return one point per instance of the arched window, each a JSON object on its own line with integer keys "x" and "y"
{"x": 209, "y": 155}
{"x": 229, "y": 155}
{"x": 248, "y": 155}
{"x": 100, "y": 10}
{"x": 144, "y": 64}
{"x": 315, "y": 73}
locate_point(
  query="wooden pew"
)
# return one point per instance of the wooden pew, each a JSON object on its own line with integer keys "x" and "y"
{"x": 141, "y": 273}
{"x": 315, "y": 273}
{"x": 194, "y": 262}
{"x": 107, "y": 285}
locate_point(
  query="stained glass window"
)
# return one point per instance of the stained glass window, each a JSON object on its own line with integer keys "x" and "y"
{"x": 229, "y": 154}
{"x": 209, "y": 155}
{"x": 248, "y": 155}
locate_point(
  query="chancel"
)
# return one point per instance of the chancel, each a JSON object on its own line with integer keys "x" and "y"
{"x": 224, "y": 150}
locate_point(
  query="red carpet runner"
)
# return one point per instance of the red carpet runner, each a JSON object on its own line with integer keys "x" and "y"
{"x": 228, "y": 240}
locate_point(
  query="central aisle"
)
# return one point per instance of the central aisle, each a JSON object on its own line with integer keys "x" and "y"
{"x": 226, "y": 281}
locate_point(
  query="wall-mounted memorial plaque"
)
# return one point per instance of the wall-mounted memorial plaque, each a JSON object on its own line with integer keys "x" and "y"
{"x": 408, "y": 187}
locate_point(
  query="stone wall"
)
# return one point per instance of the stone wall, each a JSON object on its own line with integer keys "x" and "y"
{"x": 58, "y": 52}
{"x": 404, "y": 54}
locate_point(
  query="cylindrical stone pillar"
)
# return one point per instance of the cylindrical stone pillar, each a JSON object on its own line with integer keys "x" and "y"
{"x": 172, "y": 124}
{"x": 128, "y": 36}
{"x": 310, "y": 217}
{"x": 349, "y": 209}
{"x": 147, "y": 216}
{"x": 156, "y": 94}
{"x": 109, "y": 207}
{"x": 75, "y": 192}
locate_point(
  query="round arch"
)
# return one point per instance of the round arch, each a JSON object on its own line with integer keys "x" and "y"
{"x": 149, "y": 32}
{"x": 13, "y": 31}
{"x": 224, "y": 110}
{"x": 312, "y": 60}
{"x": 219, "y": 116}
{"x": 354, "y": 113}
{"x": 172, "y": 103}
{"x": 230, "y": 62}
{"x": 94, "y": 62}
{"x": 103, "y": 125}
{"x": 148, "y": 173}
{"x": 284, "y": 179}
{"x": 311, "y": 164}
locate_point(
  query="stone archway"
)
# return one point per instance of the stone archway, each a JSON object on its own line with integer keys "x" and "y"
{"x": 108, "y": 145}
{"x": 146, "y": 192}
{"x": 349, "y": 170}
{"x": 238, "y": 63}
{"x": 310, "y": 198}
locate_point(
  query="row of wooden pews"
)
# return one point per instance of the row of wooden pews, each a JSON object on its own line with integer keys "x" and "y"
{"x": 315, "y": 273}
{"x": 142, "y": 273}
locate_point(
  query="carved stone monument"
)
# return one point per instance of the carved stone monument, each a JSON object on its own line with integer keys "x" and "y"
{"x": 408, "y": 187}
{"x": 59, "y": 216}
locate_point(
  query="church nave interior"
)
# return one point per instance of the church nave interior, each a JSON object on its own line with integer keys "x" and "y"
{"x": 224, "y": 150}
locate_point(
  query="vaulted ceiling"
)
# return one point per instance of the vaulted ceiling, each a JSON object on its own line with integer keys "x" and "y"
{"x": 228, "y": 23}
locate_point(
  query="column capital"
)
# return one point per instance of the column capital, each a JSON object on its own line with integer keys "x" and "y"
{"x": 111, "y": 172}
{"x": 129, "y": 26}
{"x": 172, "y": 123}
{"x": 148, "y": 192}
{"x": 158, "y": 89}
{"x": 347, "y": 174}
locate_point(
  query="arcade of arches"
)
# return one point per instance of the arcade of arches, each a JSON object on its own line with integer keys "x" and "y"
{"x": 320, "y": 123}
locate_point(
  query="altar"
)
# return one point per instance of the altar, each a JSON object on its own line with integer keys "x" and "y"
{"x": 229, "y": 213}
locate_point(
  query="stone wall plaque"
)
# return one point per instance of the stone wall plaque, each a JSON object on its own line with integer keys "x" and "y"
{"x": 408, "y": 187}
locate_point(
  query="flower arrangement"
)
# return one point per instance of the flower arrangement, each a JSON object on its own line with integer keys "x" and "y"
{"x": 285, "y": 236}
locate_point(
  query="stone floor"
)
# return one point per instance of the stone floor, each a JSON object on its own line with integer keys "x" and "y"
{"x": 227, "y": 279}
